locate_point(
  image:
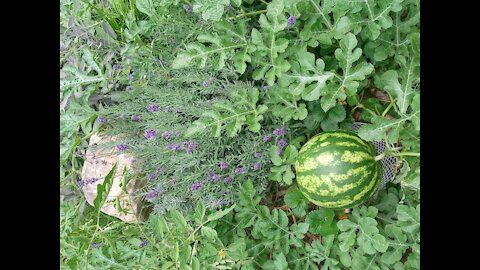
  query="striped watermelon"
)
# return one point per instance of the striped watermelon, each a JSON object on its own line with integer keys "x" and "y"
{"x": 337, "y": 169}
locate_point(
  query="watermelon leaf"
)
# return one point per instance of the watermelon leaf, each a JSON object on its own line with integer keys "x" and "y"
{"x": 240, "y": 109}
{"x": 322, "y": 222}
{"x": 346, "y": 55}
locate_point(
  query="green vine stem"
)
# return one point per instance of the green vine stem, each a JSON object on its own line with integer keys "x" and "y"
{"x": 384, "y": 154}
{"x": 388, "y": 108}
{"x": 366, "y": 109}
{"x": 248, "y": 14}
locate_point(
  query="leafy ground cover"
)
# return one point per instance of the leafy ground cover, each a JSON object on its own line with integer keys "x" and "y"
{"x": 215, "y": 99}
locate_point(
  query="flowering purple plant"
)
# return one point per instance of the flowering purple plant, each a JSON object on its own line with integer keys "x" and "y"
{"x": 282, "y": 143}
{"x": 190, "y": 146}
{"x": 265, "y": 88}
{"x": 129, "y": 88}
{"x": 257, "y": 165}
{"x": 97, "y": 245}
{"x": 168, "y": 109}
{"x": 195, "y": 187}
{"x": 280, "y": 131}
{"x": 240, "y": 170}
{"x": 122, "y": 147}
{"x": 88, "y": 181}
{"x": 227, "y": 179}
{"x": 267, "y": 137}
{"x": 150, "y": 133}
{"x": 151, "y": 176}
{"x": 175, "y": 147}
{"x": 187, "y": 8}
{"x": 223, "y": 165}
{"x": 292, "y": 20}
{"x": 101, "y": 120}
{"x": 205, "y": 83}
{"x": 136, "y": 118}
{"x": 278, "y": 152}
{"x": 258, "y": 154}
{"x": 166, "y": 135}
{"x": 151, "y": 195}
{"x": 152, "y": 108}
{"x": 143, "y": 243}
{"x": 117, "y": 67}
{"x": 130, "y": 76}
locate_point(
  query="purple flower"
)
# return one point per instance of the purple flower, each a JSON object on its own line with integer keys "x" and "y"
{"x": 144, "y": 243}
{"x": 187, "y": 8}
{"x": 175, "y": 147}
{"x": 101, "y": 120}
{"x": 227, "y": 179}
{"x": 190, "y": 146}
{"x": 88, "y": 181}
{"x": 129, "y": 88}
{"x": 177, "y": 110}
{"x": 130, "y": 76}
{"x": 282, "y": 143}
{"x": 195, "y": 187}
{"x": 240, "y": 170}
{"x": 150, "y": 133}
{"x": 267, "y": 137}
{"x": 91, "y": 180}
{"x": 257, "y": 165}
{"x": 213, "y": 176}
{"x": 258, "y": 154}
{"x": 166, "y": 135}
{"x": 136, "y": 118}
{"x": 117, "y": 67}
{"x": 151, "y": 195}
{"x": 151, "y": 176}
{"x": 280, "y": 131}
{"x": 223, "y": 165}
{"x": 265, "y": 88}
{"x": 168, "y": 109}
{"x": 291, "y": 20}
{"x": 278, "y": 152}
{"x": 122, "y": 147}
{"x": 97, "y": 245}
{"x": 152, "y": 108}
{"x": 205, "y": 83}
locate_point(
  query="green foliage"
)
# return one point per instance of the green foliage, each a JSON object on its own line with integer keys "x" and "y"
{"x": 240, "y": 109}
{"x": 285, "y": 106}
{"x": 228, "y": 41}
{"x": 307, "y": 77}
{"x": 282, "y": 171}
{"x": 326, "y": 120}
{"x": 210, "y": 9}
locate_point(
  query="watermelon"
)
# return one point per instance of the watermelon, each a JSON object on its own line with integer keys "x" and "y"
{"x": 337, "y": 170}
